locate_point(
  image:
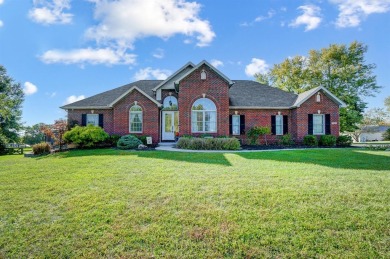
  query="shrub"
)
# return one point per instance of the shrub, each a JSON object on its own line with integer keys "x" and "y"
{"x": 143, "y": 139}
{"x": 310, "y": 140}
{"x": 3, "y": 143}
{"x": 386, "y": 134}
{"x": 378, "y": 147}
{"x": 327, "y": 140}
{"x": 286, "y": 140}
{"x": 255, "y": 132}
{"x": 344, "y": 141}
{"x": 128, "y": 142}
{"x": 112, "y": 140}
{"x": 88, "y": 136}
{"x": 208, "y": 143}
{"x": 41, "y": 148}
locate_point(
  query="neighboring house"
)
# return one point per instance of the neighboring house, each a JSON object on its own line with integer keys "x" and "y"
{"x": 199, "y": 99}
{"x": 372, "y": 133}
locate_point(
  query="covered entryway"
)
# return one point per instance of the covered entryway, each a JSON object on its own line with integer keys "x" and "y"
{"x": 170, "y": 124}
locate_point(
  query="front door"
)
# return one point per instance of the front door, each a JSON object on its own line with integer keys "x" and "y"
{"x": 170, "y": 124}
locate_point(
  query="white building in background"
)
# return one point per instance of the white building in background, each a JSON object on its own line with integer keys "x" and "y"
{"x": 372, "y": 133}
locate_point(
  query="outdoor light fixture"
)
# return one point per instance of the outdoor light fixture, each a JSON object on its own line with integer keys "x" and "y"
{"x": 319, "y": 111}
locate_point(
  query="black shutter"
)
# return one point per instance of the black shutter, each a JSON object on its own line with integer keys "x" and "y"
{"x": 285, "y": 124}
{"x": 273, "y": 124}
{"x": 242, "y": 124}
{"x": 327, "y": 124}
{"x": 230, "y": 124}
{"x": 83, "y": 119}
{"x": 101, "y": 120}
{"x": 310, "y": 124}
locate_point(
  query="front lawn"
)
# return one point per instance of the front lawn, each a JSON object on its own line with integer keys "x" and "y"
{"x": 111, "y": 203}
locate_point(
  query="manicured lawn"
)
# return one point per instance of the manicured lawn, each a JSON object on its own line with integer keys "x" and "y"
{"x": 109, "y": 203}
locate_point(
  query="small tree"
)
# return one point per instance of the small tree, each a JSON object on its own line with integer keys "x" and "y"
{"x": 55, "y": 131}
{"x": 257, "y": 131}
{"x": 386, "y": 134}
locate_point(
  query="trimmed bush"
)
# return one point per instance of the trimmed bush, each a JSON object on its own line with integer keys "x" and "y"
{"x": 380, "y": 147}
{"x": 344, "y": 141}
{"x": 327, "y": 141}
{"x": 41, "y": 148}
{"x": 112, "y": 140}
{"x": 128, "y": 142}
{"x": 208, "y": 143}
{"x": 3, "y": 143}
{"x": 310, "y": 140}
{"x": 286, "y": 140}
{"x": 88, "y": 136}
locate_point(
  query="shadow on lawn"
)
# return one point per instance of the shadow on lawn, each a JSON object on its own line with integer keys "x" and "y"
{"x": 211, "y": 158}
{"x": 336, "y": 158}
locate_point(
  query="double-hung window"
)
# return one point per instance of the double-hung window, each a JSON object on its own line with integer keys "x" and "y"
{"x": 92, "y": 119}
{"x": 204, "y": 116}
{"x": 135, "y": 119}
{"x": 279, "y": 124}
{"x": 236, "y": 124}
{"x": 318, "y": 124}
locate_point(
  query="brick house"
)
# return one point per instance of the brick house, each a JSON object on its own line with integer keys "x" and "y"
{"x": 199, "y": 99}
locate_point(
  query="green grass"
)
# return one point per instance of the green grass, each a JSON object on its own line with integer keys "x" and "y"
{"x": 109, "y": 203}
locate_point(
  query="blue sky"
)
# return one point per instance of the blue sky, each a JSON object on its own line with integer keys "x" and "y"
{"x": 64, "y": 50}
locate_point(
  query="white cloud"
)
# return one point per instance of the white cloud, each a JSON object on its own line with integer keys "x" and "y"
{"x": 216, "y": 63}
{"x": 29, "y": 88}
{"x": 124, "y": 21}
{"x": 352, "y": 12}
{"x": 51, "y": 95}
{"x": 269, "y": 15}
{"x": 311, "y": 17}
{"x": 73, "y": 98}
{"x": 256, "y": 66}
{"x": 149, "y": 73}
{"x": 88, "y": 55}
{"x": 1, "y": 23}
{"x": 158, "y": 53}
{"x": 51, "y": 12}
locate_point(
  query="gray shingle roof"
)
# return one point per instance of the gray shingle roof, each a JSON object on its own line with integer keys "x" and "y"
{"x": 247, "y": 93}
{"x": 243, "y": 93}
{"x": 104, "y": 99}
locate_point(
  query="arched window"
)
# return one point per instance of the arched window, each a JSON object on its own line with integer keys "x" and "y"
{"x": 135, "y": 119}
{"x": 204, "y": 116}
{"x": 170, "y": 103}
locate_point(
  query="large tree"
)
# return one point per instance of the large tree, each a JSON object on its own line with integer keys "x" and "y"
{"x": 33, "y": 134}
{"x": 341, "y": 69}
{"x": 11, "y": 99}
{"x": 387, "y": 103}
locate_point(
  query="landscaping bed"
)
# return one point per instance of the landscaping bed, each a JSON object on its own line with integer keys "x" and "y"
{"x": 270, "y": 147}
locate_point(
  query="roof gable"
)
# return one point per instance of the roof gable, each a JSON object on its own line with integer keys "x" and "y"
{"x": 171, "y": 79}
{"x": 204, "y": 62}
{"x": 303, "y": 97}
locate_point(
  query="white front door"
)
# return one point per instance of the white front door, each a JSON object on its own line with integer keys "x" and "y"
{"x": 170, "y": 124}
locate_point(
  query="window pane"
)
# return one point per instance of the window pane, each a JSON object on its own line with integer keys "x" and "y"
{"x": 318, "y": 124}
{"x": 279, "y": 125}
{"x": 93, "y": 119}
{"x": 135, "y": 121}
{"x": 236, "y": 125}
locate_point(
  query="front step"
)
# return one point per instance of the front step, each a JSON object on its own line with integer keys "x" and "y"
{"x": 167, "y": 144}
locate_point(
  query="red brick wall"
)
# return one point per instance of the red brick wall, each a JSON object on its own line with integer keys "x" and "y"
{"x": 108, "y": 124}
{"x": 326, "y": 106}
{"x": 260, "y": 118}
{"x": 193, "y": 88}
{"x": 150, "y": 116}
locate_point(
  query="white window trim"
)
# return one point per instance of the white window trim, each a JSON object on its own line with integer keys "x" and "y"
{"x": 142, "y": 121}
{"x": 281, "y": 124}
{"x": 239, "y": 125}
{"x": 96, "y": 120}
{"x": 323, "y": 124}
{"x": 204, "y": 121}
